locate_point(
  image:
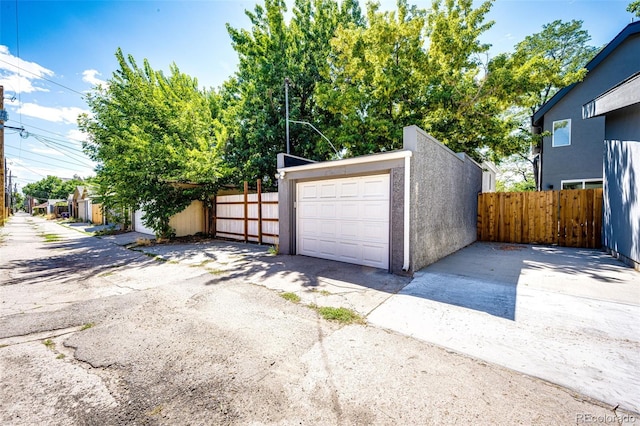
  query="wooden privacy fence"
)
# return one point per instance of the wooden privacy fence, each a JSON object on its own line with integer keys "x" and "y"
{"x": 569, "y": 218}
{"x": 247, "y": 217}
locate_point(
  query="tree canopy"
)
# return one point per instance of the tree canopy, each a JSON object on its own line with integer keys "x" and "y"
{"x": 51, "y": 187}
{"x": 254, "y": 98}
{"x": 150, "y": 134}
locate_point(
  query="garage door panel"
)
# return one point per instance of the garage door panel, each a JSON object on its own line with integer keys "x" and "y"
{"x": 349, "y": 189}
{"x": 345, "y": 219}
{"x": 308, "y": 191}
{"x": 349, "y": 229}
{"x": 328, "y": 228}
{"x": 349, "y": 210}
{"x": 309, "y": 227}
{"x": 327, "y": 211}
{"x": 375, "y": 231}
{"x": 375, "y": 188}
{"x": 309, "y": 210}
{"x": 375, "y": 210}
{"x": 349, "y": 251}
{"x": 309, "y": 245}
{"x": 375, "y": 255}
{"x": 328, "y": 190}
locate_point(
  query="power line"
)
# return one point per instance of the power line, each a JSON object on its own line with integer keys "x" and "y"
{"x": 44, "y": 140}
{"x": 79, "y": 162}
{"x": 45, "y": 156}
{"x": 43, "y": 78}
{"x": 25, "y": 134}
{"x": 53, "y": 133}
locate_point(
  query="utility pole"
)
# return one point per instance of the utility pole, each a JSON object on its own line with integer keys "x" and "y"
{"x": 286, "y": 107}
{"x": 3, "y": 117}
{"x": 10, "y": 192}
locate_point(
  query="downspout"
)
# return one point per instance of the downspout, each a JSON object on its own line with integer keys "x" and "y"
{"x": 407, "y": 216}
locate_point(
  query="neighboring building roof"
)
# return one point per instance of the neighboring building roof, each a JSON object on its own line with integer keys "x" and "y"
{"x": 622, "y": 95}
{"x": 42, "y": 206}
{"x": 77, "y": 194}
{"x": 629, "y": 30}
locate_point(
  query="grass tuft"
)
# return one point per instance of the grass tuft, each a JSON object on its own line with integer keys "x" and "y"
{"x": 87, "y": 326}
{"x": 51, "y": 238}
{"x": 49, "y": 344}
{"x": 291, "y": 297}
{"x": 341, "y": 315}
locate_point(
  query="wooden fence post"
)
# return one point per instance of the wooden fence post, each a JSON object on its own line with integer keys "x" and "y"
{"x": 259, "y": 186}
{"x": 246, "y": 211}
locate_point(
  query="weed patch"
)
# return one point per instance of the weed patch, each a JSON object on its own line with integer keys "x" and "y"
{"x": 341, "y": 315}
{"x": 60, "y": 356}
{"x": 87, "y": 326}
{"x": 49, "y": 344}
{"x": 291, "y": 297}
{"x": 51, "y": 238}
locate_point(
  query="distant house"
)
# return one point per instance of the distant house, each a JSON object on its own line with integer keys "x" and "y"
{"x": 572, "y": 156}
{"x": 82, "y": 206}
{"x": 619, "y": 107}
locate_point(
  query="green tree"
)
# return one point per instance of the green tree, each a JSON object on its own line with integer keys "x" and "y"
{"x": 254, "y": 98}
{"x": 541, "y": 65}
{"x": 51, "y": 187}
{"x": 545, "y": 62}
{"x": 156, "y": 140}
{"x": 373, "y": 84}
{"x": 634, "y": 7}
{"x": 18, "y": 201}
{"x": 411, "y": 66}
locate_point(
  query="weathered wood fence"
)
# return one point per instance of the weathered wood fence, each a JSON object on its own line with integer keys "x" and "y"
{"x": 247, "y": 217}
{"x": 569, "y": 218}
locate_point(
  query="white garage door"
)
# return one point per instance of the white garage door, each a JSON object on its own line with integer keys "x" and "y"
{"x": 345, "y": 219}
{"x": 138, "y": 226}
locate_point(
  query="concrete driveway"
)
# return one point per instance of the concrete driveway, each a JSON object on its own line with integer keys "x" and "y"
{"x": 569, "y": 316}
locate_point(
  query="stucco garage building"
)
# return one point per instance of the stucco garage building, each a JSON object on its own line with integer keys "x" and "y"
{"x": 399, "y": 210}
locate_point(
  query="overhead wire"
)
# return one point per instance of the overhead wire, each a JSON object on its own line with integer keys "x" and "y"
{"x": 43, "y": 78}
{"x": 45, "y": 156}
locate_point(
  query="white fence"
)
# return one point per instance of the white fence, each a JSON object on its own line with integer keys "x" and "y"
{"x": 247, "y": 217}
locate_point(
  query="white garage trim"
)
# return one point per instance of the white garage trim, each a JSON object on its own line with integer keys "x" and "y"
{"x": 345, "y": 219}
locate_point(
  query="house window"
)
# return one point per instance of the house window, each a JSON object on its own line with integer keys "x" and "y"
{"x": 561, "y": 133}
{"x": 582, "y": 184}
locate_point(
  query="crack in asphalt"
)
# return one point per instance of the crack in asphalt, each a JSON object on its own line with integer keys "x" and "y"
{"x": 38, "y": 336}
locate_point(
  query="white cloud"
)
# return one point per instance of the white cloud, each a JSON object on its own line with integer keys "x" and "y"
{"x": 91, "y": 77}
{"x": 76, "y": 136}
{"x": 67, "y": 115}
{"x": 18, "y": 75}
{"x": 46, "y": 151}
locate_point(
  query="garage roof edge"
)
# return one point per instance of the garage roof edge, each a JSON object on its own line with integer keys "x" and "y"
{"x": 349, "y": 161}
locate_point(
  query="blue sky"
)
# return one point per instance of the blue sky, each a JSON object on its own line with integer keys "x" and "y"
{"x": 51, "y": 52}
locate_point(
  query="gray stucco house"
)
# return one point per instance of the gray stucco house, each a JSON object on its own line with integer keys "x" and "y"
{"x": 398, "y": 210}
{"x": 571, "y": 158}
{"x": 619, "y": 107}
